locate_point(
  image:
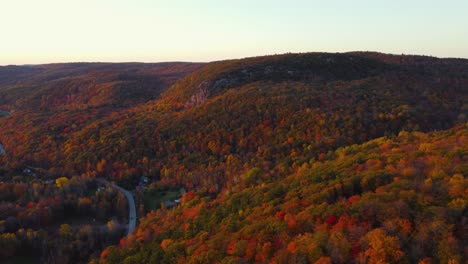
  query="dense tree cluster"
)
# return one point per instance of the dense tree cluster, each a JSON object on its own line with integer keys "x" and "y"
{"x": 59, "y": 221}
{"x": 398, "y": 199}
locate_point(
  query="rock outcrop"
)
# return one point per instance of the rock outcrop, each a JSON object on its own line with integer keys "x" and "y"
{"x": 2, "y": 150}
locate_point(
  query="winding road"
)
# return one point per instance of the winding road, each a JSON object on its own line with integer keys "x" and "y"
{"x": 131, "y": 205}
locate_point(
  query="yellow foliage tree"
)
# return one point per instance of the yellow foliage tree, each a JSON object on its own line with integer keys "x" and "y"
{"x": 61, "y": 182}
{"x": 65, "y": 230}
{"x": 381, "y": 248}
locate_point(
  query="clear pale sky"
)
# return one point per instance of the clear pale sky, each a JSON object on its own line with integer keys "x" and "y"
{"x": 43, "y": 31}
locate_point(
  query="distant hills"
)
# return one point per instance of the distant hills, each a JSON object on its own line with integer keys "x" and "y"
{"x": 334, "y": 151}
{"x": 86, "y": 85}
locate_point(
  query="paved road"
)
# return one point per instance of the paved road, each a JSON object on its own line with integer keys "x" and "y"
{"x": 131, "y": 205}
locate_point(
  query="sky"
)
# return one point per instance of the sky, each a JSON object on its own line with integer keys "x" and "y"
{"x": 47, "y": 31}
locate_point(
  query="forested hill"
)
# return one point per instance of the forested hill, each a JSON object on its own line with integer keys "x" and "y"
{"x": 292, "y": 138}
{"x": 216, "y": 77}
{"x": 40, "y": 105}
{"x": 272, "y": 112}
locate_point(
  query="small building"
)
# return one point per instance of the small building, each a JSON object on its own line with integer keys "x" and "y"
{"x": 29, "y": 172}
{"x": 169, "y": 204}
{"x": 143, "y": 182}
{"x": 49, "y": 181}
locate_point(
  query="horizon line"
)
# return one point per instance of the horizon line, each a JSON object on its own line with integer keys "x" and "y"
{"x": 225, "y": 59}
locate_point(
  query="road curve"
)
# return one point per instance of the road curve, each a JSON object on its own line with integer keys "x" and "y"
{"x": 131, "y": 205}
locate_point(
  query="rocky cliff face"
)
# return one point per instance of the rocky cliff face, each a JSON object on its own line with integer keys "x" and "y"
{"x": 2, "y": 150}
{"x": 4, "y": 113}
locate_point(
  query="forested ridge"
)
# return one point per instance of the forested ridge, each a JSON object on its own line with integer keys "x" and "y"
{"x": 399, "y": 199}
{"x": 317, "y": 157}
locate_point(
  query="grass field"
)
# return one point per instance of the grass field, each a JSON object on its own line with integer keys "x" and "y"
{"x": 154, "y": 197}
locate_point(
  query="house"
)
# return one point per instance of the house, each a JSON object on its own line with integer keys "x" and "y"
{"x": 49, "y": 181}
{"x": 144, "y": 180}
{"x": 169, "y": 204}
{"x": 29, "y": 172}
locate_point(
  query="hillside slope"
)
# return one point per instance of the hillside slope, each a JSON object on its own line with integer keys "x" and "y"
{"x": 38, "y": 103}
{"x": 271, "y": 120}
{"x": 390, "y": 200}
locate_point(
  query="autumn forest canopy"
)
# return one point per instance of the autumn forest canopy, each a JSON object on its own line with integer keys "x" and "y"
{"x": 297, "y": 158}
